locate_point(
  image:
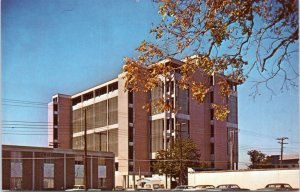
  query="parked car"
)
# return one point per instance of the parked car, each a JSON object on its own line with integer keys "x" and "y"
{"x": 81, "y": 188}
{"x": 203, "y": 187}
{"x": 277, "y": 187}
{"x": 76, "y": 188}
{"x": 182, "y": 187}
{"x": 200, "y": 188}
{"x": 228, "y": 187}
{"x": 119, "y": 188}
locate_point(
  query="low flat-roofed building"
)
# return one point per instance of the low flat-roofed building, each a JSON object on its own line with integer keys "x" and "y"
{"x": 42, "y": 168}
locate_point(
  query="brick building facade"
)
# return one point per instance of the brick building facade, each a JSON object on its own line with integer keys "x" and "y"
{"x": 40, "y": 168}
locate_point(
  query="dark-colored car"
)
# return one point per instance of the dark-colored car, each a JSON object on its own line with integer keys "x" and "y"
{"x": 182, "y": 187}
{"x": 277, "y": 187}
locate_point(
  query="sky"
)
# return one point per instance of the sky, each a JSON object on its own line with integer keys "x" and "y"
{"x": 66, "y": 46}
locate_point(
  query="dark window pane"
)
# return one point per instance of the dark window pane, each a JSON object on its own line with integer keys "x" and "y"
{"x": 212, "y": 130}
{"x": 55, "y": 120}
{"x": 130, "y": 115}
{"x": 88, "y": 96}
{"x": 130, "y": 134}
{"x": 130, "y": 152}
{"x": 101, "y": 91}
{"x": 76, "y": 100}
{"x": 212, "y": 148}
{"x": 113, "y": 87}
{"x": 55, "y": 133}
{"x": 116, "y": 166}
{"x": 130, "y": 97}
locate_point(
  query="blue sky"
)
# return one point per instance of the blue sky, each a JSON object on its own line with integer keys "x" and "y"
{"x": 65, "y": 46}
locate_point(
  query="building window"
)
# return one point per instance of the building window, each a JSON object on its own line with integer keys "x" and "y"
{"x": 113, "y": 111}
{"x": 211, "y": 96}
{"x": 130, "y": 115}
{"x": 16, "y": 170}
{"x": 78, "y": 142}
{"x": 171, "y": 87}
{"x": 103, "y": 141}
{"x": 55, "y": 107}
{"x": 211, "y": 114}
{"x": 130, "y": 97}
{"x": 130, "y": 152}
{"x": 157, "y": 127}
{"x": 232, "y": 116}
{"x": 113, "y": 87}
{"x": 48, "y": 182}
{"x": 55, "y": 119}
{"x": 55, "y": 134}
{"x": 101, "y": 114}
{"x": 130, "y": 168}
{"x": 156, "y": 94}
{"x": 116, "y": 166}
{"x": 182, "y": 100}
{"x": 212, "y": 148}
{"x": 211, "y": 80}
{"x": 89, "y": 118}
{"x": 88, "y": 96}
{"x": 90, "y": 142}
{"x": 113, "y": 141}
{"x": 79, "y": 170}
{"x": 101, "y": 91}
{"x": 130, "y": 134}
{"x": 212, "y": 131}
{"x": 76, "y": 121}
{"x": 76, "y": 100}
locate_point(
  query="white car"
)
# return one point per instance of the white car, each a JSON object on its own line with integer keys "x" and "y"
{"x": 76, "y": 188}
{"x": 200, "y": 188}
{"x": 81, "y": 188}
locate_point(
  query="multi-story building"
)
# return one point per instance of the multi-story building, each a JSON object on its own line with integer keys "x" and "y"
{"x": 116, "y": 122}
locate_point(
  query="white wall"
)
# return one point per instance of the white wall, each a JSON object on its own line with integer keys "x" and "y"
{"x": 246, "y": 179}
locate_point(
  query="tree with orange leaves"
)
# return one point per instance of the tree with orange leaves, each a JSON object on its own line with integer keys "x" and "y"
{"x": 229, "y": 37}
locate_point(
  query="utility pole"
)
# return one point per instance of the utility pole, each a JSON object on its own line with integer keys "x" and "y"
{"x": 281, "y": 142}
{"x": 85, "y": 154}
{"x": 180, "y": 145}
{"x": 180, "y": 140}
{"x": 232, "y": 148}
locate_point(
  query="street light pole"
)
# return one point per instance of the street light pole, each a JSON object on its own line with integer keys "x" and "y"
{"x": 85, "y": 153}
